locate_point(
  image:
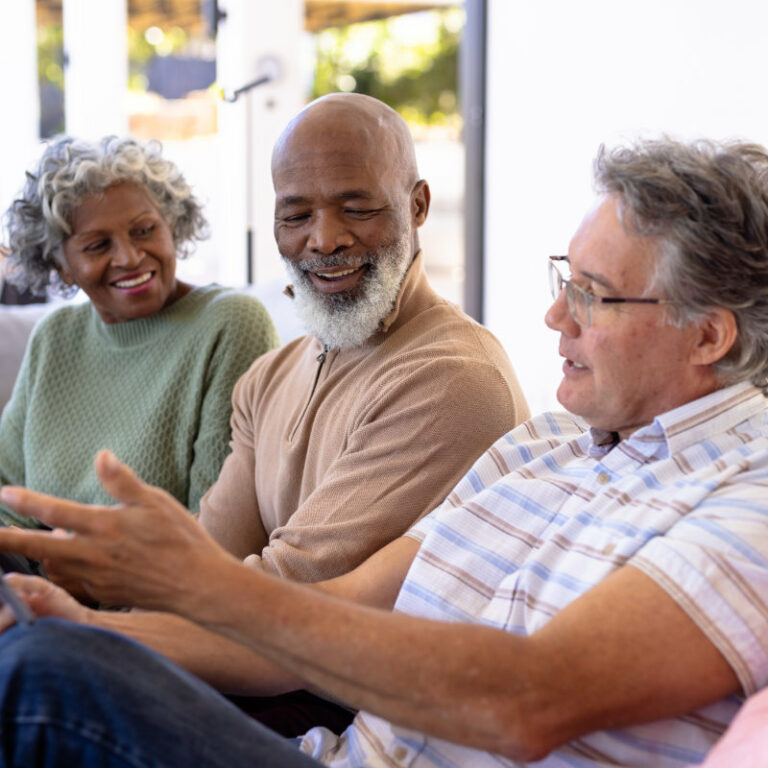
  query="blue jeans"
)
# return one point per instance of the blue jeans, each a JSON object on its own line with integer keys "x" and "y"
{"x": 77, "y": 696}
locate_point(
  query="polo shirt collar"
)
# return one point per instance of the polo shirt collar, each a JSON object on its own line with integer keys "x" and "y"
{"x": 673, "y": 431}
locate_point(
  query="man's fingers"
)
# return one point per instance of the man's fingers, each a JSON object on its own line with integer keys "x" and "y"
{"x": 119, "y": 480}
{"x": 38, "y": 544}
{"x": 54, "y": 512}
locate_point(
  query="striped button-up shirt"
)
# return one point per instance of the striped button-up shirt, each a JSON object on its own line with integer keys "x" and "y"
{"x": 552, "y": 509}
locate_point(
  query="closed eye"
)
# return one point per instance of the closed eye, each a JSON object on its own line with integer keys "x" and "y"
{"x": 585, "y": 289}
{"x": 361, "y": 212}
{"x": 144, "y": 231}
{"x": 96, "y": 246}
{"x": 296, "y": 217}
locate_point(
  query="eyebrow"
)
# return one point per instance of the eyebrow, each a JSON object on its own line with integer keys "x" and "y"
{"x": 597, "y": 278}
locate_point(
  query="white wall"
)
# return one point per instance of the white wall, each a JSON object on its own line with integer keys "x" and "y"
{"x": 19, "y": 93}
{"x": 96, "y": 69}
{"x": 565, "y": 76}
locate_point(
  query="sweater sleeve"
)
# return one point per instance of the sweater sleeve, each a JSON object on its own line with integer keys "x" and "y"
{"x": 12, "y": 438}
{"x": 246, "y": 333}
{"x": 415, "y": 436}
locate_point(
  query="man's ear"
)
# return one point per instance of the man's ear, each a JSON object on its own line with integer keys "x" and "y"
{"x": 718, "y": 332}
{"x": 420, "y": 199}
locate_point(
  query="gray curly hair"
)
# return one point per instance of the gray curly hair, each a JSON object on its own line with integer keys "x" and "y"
{"x": 707, "y": 203}
{"x": 71, "y": 170}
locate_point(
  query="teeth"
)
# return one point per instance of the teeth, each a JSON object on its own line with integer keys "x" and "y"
{"x": 133, "y": 283}
{"x": 577, "y": 365}
{"x": 331, "y": 275}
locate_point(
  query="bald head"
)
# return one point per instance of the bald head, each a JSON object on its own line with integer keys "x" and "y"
{"x": 348, "y": 204}
{"x": 345, "y": 167}
{"x": 342, "y": 122}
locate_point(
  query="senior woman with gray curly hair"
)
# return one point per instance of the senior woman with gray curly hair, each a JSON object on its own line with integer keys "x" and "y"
{"x": 147, "y": 366}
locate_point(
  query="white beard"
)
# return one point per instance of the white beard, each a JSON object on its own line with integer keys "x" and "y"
{"x": 347, "y": 320}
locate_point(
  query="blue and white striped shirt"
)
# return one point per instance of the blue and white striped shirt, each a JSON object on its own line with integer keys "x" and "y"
{"x": 549, "y": 511}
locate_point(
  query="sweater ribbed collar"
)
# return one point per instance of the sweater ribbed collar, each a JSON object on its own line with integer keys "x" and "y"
{"x": 135, "y": 332}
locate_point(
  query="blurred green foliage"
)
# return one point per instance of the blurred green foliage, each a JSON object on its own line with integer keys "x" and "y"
{"x": 410, "y": 62}
{"x": 50, "y": 73}
{"x": 50, "y": 56}
{"x": 141, "y": 51}
{"x": 50, "y": 41}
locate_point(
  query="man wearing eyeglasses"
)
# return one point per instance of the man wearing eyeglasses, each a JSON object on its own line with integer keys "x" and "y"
{"x": 592, "y": 593}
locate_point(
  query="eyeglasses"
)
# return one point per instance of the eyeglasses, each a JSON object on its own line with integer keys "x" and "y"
{"x": 580, "y": 301}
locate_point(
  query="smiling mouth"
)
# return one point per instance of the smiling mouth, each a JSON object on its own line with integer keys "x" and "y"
{"x": 571, "y": 365}
{"x": 338, "y": 275}
{"x": 133, "y": 282}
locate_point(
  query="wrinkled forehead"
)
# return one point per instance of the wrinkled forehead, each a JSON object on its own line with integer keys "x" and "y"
{"x": 335, "y": 167}
{"x": 325, "y": 161}
{"x": 604, "y": 251}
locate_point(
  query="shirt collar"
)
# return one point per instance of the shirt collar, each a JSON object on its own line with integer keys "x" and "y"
{"x": 413, "y": 278}
{"x": 675, "y": 430}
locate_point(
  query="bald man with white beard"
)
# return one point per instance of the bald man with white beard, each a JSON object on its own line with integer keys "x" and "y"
{"x": 345, "y": 437}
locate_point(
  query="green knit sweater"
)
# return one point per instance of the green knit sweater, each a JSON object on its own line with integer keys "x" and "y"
{"x": 155, "y": 391}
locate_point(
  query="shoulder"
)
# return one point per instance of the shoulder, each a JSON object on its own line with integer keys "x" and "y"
{"x": 216, "y": 312}
{"x": 63, "y": 321}
{"x": 443, "y": 331}
{"x": 533, "y": 447}
{"x": 541, "y": 434}
{"x": 452, "y": 359}
{"x": 228, "y": 303}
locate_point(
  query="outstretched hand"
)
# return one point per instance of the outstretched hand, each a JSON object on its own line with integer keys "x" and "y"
{"x": 146, "y": 551}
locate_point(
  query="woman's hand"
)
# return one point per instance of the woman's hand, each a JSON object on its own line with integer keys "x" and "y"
{"x": 43, "y": 599}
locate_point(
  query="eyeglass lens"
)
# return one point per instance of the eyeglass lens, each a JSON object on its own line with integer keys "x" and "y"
{"x": 577, "y": 299}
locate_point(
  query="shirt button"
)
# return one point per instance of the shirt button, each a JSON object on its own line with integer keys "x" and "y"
{"x": 603, "y": 478}
{"x": 400, "y": 753}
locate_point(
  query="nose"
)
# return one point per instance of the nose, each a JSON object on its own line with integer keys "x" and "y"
{"x": 558, "y": 317}
{"x": 125, "y": 253}
{"x": 328, "y": 234}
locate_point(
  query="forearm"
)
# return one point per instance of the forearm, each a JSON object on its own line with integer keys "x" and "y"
{"x": 224, "y": 664}
{"x": 483, "y": 687}
{"x": 411, "y": 671}
{"x": 233, "y": 667}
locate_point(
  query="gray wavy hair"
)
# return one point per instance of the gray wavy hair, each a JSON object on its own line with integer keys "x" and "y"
{"x": 71, "y": 170}
{"x": 707, "y": 202}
